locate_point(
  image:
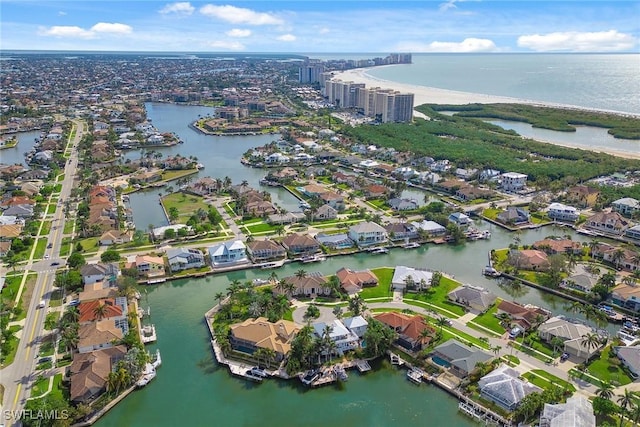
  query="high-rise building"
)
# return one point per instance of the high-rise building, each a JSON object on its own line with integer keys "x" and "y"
{"x": 310, "y": 73}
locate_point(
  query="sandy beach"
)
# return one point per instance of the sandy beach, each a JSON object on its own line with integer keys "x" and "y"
{"x": 431, "y": 95}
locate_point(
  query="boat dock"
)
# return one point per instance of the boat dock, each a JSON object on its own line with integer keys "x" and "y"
{"x": 479, "y": 412}
{"x": 395, "y": 359}
{"x": 363, "y": 365}
{"x": 148, "y": 334}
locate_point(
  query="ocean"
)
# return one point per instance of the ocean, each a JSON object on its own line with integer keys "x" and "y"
{"x": 598, "y": 81}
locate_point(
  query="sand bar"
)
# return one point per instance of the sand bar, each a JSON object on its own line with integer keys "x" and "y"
{"x": 431, "y": 95}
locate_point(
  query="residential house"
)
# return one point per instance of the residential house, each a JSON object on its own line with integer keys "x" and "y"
{"x": 325, "y": 212}
{"x": 630, "y": 357}
{"x": 524, "y": 316}
{"x": 113, "y": 237}
{"x": 558, "y": 246}
{"x": 344, "y": 339}
{"x": 183, "y": 258}
{"x": 375, "y": 191}
{"x": 577, "y": 412}
{"x": 513, "y": 181}
{"x": 89, "y": 372}
{"x": 357, "y": 325}
{"x": 560, "y": 212}
{"x": 252, "y": 334}
{"x": 458, "y": 357}
{"x": 460, "y": 219}
{"x": 513, "y": 216}
{"x": 333, "y": 199}
{"x": 474, "y": 297}
{"x": 571, "y": 332}
{"x": 98, "y": 335}
{"x": 227, "y": 253}
{"x": 582, "y": 278}
{"x": 626, "y": 296}
{"x": 313, "y": 190}
{"x": 409, "y": 329}
{"x": 504, "y": 387}
{"x": 401, "y": 231}
{"x": 97, "y": 290}
{"x": 106, "y": 308}
{"x": 20, "y": 211}
{"x": 583, "y": 195}
{"x": 410, "y": 278}
{"x": 368, "y": 233}
{"x": 633, "y": 232}
{"x": 469, "y": 193}
{"x": 532, "y": 259}
{"x": 264, "y": 250}
{"x": 621, "y": 257}
{"x": 353, "y": 281}
{"x": 489, "y": 175}
{"x": 608, "y": 223}
{"x": 335, "y": 241}
{"x": 300, "y": 244}
{"x": 398, "y": 204}
{"x": 92, "y": 273}
{"x": 148, "y": 265}
{"x": 431, "y": 228}
{"x": 626, "y": 206}
{"x": 9, "y": 232}
{"x": 312, "y": 285}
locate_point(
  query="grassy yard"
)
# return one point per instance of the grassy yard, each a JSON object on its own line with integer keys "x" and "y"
{"x": 452, "y": 333}
{"x": 608, "y": 368}
{"x": 379, "y": 204}
{"x": 41, "y": 247}
{"x": 51, "y": 209}
{"x": 65, "y": 247}
{"x": 546, "y": 380}
{"x": 261, "y": 228}
{"x": 186, "y": 204}
{"x": 437, "y": 296}
{"x": 491, "y": 213}
{"x": 383, "y": 289}
{"x": 89, "y": 244}
{"x": 68, "y": 227}
{"x": 489, "y": 320}
{"x": 46, "y": 228}
{"x": 13, "y": 347}
{"x": 175, "y": 174}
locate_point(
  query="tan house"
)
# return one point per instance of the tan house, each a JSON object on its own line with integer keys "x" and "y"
{"x": 98, "y": 335}
{"x": 312, "y": 284}
{"x": 263, "y": 250}
{"x": 608, "y": 223}
{"x": 558, "y": 246}
{"x": 353, "y": 281}
{"x": 583, "y": 196}
{"x": 89, "y": 372}
{"x": 298, "y": 244}
{"x": 532, "y": 259}
{"x": 524, "y": 316}
{"x": 148, "y": 265}
{"x": 253, "y": 334}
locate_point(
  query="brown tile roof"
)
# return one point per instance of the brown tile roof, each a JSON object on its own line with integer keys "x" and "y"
{"x": 100, "y": 332}
{"x": 89, "y": 372}
{"x": 410, "y": 326}
{"x": 356, "y": 279}
{"x": 558, "y": 246}
{"x": 262, "y": 333}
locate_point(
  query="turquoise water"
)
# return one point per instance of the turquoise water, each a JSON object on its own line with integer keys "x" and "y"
{"x": 600, "y": 81}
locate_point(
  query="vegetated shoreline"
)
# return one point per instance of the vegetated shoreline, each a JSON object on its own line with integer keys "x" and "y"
{"x": 431, "y": 95}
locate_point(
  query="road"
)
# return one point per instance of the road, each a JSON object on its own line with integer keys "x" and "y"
{"x": 18, "y": 377}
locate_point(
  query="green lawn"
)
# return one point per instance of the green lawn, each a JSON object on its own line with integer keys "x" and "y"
{"x": 603, "y": 369}
{"x": 68, "y": 227}
{"x": 51, "y": 209}
{"x": 65, "y": 247}
{"x": 46, "y": 228}
{"x": 489, "y": 320}
{"x": 511, "y": 359}
{"x": 491, "y": 213}
{"x": 260, "y": 228}
{"x": 437, "y": 295}
{"x": 13, "y": 345}
{"x": 41, "y": 247}
{"x": 383, "y": 289}
{"x": 186, "y": 204}
{"x": 175, "y": 174}
{"x": 548, "y": 380}
{"x": 89, "y": 244}
{"x": 452, "y": 333}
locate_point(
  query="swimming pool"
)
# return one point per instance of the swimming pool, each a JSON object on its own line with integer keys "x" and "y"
{"x": 440, "y": 362}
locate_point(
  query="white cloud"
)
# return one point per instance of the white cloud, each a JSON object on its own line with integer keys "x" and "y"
{"x": 286, "y": 38}
{"x": 66, "y": 31}
{"x": 465, "y": 46}
{"x": 113, "y": 28}
{"x": 237, "y": 32}
{"x": 226, "y": 45}
{"x": 324, "y": 30}
{"x": 451, "y": 4}
{"x": 602, "y": 41}
{"x": 180, "y": 8}
{"x": 62, "y": 13}
{"x": 239, "y": 15}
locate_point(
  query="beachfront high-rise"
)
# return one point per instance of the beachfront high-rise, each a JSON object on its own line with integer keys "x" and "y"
{"x": 310, "y": 73}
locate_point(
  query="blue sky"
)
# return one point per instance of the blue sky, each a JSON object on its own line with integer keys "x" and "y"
{"x": 308, "y": 26}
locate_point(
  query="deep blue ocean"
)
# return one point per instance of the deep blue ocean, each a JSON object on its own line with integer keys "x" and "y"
{"x": 598, "y": 81}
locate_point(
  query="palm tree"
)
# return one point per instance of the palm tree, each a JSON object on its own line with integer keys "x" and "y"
{"x": 593, "y": 245}
{"x": 496, "y": 349}
{"x": 442, "y": 321}
{"x": 605, "y": 390}
{"x": 556, "y": 343}
{"x": 337, "y": 311}
{"x": 100, "y": 311}
{"x": 219, "y": 296}
{"x": 589, "y": 341}
{"x": 301, "y": 274}
{"x": 625, "y": 401}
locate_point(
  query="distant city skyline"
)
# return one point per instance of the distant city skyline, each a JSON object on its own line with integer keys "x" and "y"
{"x": 329, "y": 26}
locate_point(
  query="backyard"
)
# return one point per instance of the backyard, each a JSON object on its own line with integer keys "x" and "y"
{"x": 383, "y": 289}
{"x": 437, "y": 295}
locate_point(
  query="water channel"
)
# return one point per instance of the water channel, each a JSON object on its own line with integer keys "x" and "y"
{"x": 190, "y": 390}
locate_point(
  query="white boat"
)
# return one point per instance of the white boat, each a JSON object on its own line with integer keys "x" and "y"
{"x": 411, "y": 245}
{"x": 148, "y": 374}
{"x": 379, "y": 250}
{"x": 415, "y": 375}
{"x": 312, "y": 258}
{"x": 149, "y": 334}
{"x": 490, "y": 271}
{"x": 158, "y": 361}
{"x": 258, "y": 372}
{"x": 200, "y": 166}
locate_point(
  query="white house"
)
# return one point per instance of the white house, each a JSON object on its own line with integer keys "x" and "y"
{"x": 561, "y": 212}
{"x": 228, "y": 253}
{"x": 627, "y": 206}
{"x": 183, "y": 258}
{"x": 357, "y": 325}
{"x": 343, "y": 338}
{"x": 432, "y": 228}
{"x": 460, "y": 219}
{"x": 513, "y": 181}
{"x": 405, "y": 276}
{"x": 504, "y": 387}
{"x": 368, "y": 233}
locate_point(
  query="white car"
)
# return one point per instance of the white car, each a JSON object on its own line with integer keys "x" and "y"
{"x": 46, "y": 256}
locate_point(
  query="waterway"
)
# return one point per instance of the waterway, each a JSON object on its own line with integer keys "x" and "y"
{"x": 15, "y": 155}
{"x": 191, "y": 390}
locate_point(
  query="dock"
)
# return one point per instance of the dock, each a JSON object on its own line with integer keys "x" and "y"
{"x": 395, "y": 359}
{"x": 148, "y": 334}
{"x": 363, "y": 365}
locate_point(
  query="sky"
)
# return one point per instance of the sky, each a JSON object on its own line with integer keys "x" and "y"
{"x": 328, "y": 26}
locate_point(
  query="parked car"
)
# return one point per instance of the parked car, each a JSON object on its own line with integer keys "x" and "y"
{"x": 564, "y": 357}
{"x": 513, "y": 333}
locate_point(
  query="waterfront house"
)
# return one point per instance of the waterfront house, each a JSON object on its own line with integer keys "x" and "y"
{"x": 264, "y": 250}
{"x": 335, "y": 241}
{"x": 621, "y": 257}
{"x": 368, "y": 233}
{"x": 252, "y": 334}
{"x": 627, "y": 296}
{"x": 571, "y": 332}
{"x": 300, "y": 244}
{"x": 469, "y": 193}
{"x": 410, "y": 278}
{"x": 474, "y": 297}
{"x": 353, "y": 281}
{"x": 89, "y": 372}
{"x": 630, "y": 357}
{"x": 183, "y": 258}
{"x": 98, "y": 335}
{"x": 608, "y": 223}
{"x": 458, "y": 357}
{"x": 459, "y": 219}
{"x": 311, "y": 285}
{"x": 513, "y": 181}
{"x": 313, "y": 190}
{"x": 148, "y": 265}
{"x": 558, "y": 246}
{"x": 357, "y": 325}
{"x": 583, "y": 195}
{"x": 92, "y": 273}
{"x": 582, "y": 278}
{"x": 627, "y": 206}
{"x": 633, "y": 233}
{"x": 343, "y": 338}
{"x": 431, "y": 228}
{"x": 398, "y": 204}
{"x": 325, "y": 212}
{"x": 114, "y": 237}
{"x": 532, "y": 259}
{"x": 504, "y": 387}
{"x": 409, "y": 329}
{"x": 106, "y": 308}
{"x": 560, "y": 212}
{"x": 376, "y": 191}
{"x": 577, "y": 412}
{"x": 285, "y": 218}
{"x": 97, "y": 290}
{"x": 401, "y": 231}
{"x": 513, "y": 216}
{"x": 227, "y": 253}
{"x": 524, "y": 316}
{"x": 333, "y": 199}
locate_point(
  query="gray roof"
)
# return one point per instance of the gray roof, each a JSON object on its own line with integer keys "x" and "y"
{"x": 630, "y": 356}
{"x": 462, "y": 356}
{"x": 475, "y": 295}
{"x": 333, "y": 238}
{"x": 504, "y": 385}
{"x": 577, "y": 412}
